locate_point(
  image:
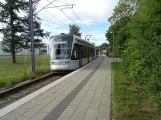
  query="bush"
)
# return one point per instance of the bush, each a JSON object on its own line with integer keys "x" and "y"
{"x": 142, "y": 57}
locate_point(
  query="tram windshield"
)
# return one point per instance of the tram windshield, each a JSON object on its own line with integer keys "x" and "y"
{"x": 61, "y": 47}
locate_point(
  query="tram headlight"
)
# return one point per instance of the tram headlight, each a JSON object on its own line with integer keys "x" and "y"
{"x": 60, "y": 63}
{"x": 66, "y": 62}
{"x": 53, "y": 62}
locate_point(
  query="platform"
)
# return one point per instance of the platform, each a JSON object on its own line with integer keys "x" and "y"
{"x": 84, "y": 94}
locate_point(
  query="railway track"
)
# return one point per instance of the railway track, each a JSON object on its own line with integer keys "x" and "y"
{"x": 23, "y": 89}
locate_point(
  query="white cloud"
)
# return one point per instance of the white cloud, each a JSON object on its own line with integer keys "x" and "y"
{"x": 52, "y": 28}
{"x": 91, "y": 12}
{"x": 98, "y": 38}
{"x": 98, "y": 10}
{"x": 48, "y": 26}
{"x": 95, "y": 10}
{"x": 86, "y": 22}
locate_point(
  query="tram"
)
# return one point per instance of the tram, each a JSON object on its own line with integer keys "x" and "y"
{"x": 69, "y": 52}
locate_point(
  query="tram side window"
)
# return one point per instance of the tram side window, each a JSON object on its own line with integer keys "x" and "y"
{"x": 90, "y": 52}
{"x": 84, "y": 51}
{"x": 75, "y": 52}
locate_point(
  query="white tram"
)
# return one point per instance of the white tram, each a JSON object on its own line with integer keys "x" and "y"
{"x": 69, "y": 52}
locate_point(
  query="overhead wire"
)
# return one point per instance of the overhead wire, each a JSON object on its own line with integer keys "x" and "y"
{"x": 53, "y": 16}
{"x": 61, "y": 1}
{"x": 45, "y": 6}
{"x": 68, "y": 17}
{"x": 79, "y": 18}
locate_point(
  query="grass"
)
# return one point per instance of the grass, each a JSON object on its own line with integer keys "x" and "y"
{"x": 129, "y": 100}
{"x": 11, "y": 74}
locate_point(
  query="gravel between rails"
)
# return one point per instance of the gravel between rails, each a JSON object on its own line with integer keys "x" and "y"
{"x": 26, "y": 90}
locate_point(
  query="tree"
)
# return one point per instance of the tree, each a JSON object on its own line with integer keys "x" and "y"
{"x": 140, "y": 32}
{"x": 104, "y": 46}
{"x": 75, "y": 30}
{"x": 142, "y": 58}
{"x": 16, "y": 30}
{"x": 120, "y": 20}
{"x": 124, "y": 9}
{"x": 121, "y": 33}
{"x": 39, "y": 33}
{"x": 12, "y": 25}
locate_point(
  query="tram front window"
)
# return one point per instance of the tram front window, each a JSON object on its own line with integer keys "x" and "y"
{"x": 61, "y": 47}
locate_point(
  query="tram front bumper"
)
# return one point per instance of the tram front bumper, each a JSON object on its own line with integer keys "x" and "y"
{"x": 58, "y": 67}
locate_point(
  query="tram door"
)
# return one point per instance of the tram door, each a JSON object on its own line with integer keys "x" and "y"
{"x": 75, "y": 57}
{"x": 80, "y": 55}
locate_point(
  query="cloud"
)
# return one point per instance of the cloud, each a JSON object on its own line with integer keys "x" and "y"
{"x": 91, "y": 12}
{"x": 98, "y": 38}
{"x": 98, "y": 10}
{"x": 95, "y": 10}
{"x": 53, "y": 28}
{"x": 85, "y": 22}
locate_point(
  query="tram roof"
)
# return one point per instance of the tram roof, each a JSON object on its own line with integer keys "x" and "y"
{"x": 78, "y": 38}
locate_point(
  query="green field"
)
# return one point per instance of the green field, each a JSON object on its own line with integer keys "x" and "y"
{"x": 129, "y": 100}
{"x": 11, "y": 74}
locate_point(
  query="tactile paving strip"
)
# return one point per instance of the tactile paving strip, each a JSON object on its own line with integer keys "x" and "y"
{"x": 55, "y": 113}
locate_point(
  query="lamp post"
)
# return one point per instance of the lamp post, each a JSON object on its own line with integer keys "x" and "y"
{"x": 113, "y": 43}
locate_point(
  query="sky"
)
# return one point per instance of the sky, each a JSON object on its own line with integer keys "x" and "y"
{"x": 92, "y": 13}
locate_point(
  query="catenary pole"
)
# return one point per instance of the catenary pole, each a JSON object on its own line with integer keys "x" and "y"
{"x": 32, "y": 32}
{"x": 32, "y": 36}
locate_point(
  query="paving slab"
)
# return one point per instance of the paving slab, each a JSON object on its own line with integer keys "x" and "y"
{"x": 33, "y": 111}
{"x": 63, "y": 118}
{"x": 91, "y": 114}
{"x": 101, "y": 118}
{"x": 78, "y": 116}
{"x": 39, "y": 116}
{"x": 68, "y": 112}
{"x": 16, "y": 114}
{"x": 94, "y": 105}
{"x": 97, "y": 95}
{"x": 82, "y": 108}
{"x": 91, "y": 102}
